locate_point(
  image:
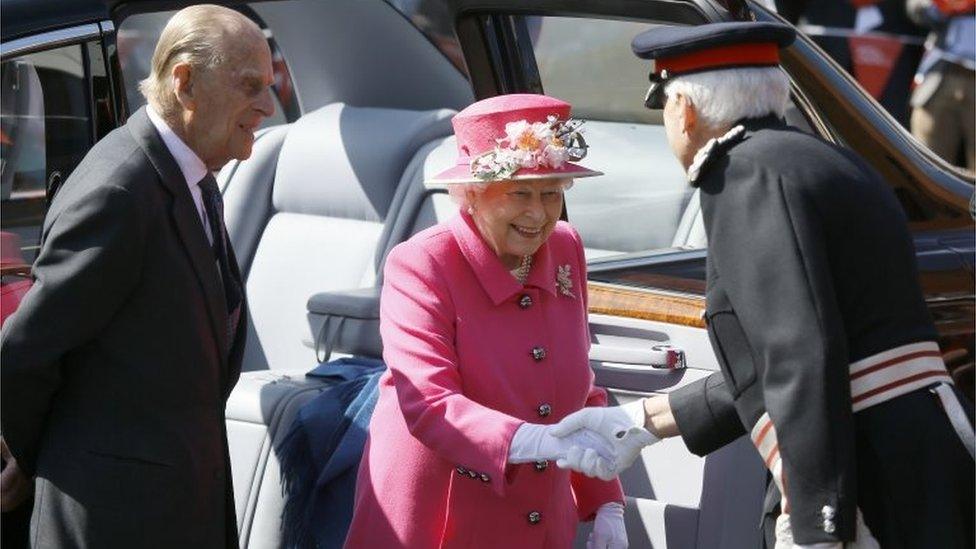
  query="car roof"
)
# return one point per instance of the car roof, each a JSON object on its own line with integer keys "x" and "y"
{"x": 26, "y": 17}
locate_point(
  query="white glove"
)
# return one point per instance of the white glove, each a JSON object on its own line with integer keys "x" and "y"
{"x": 784, "y": 533}
{"x": 622, "y": 426}
{"x": 533, "y": 442}
{"x": 862, "y": 540}
{"x": 609, "y": 531}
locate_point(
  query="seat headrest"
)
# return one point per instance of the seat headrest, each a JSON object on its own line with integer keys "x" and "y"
{"x": 342, "y": 161}
{"x": 443, "y": 156}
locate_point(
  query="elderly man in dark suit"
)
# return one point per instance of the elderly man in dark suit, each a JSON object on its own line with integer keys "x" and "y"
{"x": 829, "y": 359}
{"x": 119, "y": 361}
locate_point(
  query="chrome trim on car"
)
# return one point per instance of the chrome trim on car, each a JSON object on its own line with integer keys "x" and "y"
{"x": 49, "y": 40}
{"x": 650, "y": 290}
{"x": 643, "y": 258}
{"x": 950, "y": 298}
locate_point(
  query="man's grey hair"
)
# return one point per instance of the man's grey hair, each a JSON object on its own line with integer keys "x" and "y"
{"x": 196, "y": 35}
{"x": 726, "y": 96}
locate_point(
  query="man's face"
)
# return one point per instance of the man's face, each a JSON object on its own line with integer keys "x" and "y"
{"x": 231, "y": 101}
{"x": 675, "y": 126}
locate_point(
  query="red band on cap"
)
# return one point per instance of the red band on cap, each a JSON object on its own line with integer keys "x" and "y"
{"x": 737, "y": 55}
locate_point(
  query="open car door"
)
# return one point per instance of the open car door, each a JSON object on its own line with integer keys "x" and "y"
{"x": 645, "y": 244}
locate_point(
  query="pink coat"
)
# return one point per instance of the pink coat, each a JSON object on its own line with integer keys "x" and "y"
{"x": 458, "y": 336}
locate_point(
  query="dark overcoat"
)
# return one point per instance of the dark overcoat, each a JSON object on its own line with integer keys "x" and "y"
{"x": 811, "y": 267}
{"x": 114, "y": 380}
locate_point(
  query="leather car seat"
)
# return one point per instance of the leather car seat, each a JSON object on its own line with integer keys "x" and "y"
{"x": 306, "y": 214}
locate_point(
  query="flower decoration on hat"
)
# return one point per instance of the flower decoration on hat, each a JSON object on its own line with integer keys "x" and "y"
{"x": 548, "y": 144}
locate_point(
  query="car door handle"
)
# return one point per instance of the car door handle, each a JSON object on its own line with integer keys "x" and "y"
{"x": 662, "y": 356}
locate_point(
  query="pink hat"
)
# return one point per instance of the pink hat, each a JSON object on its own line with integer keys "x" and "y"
{"x": 517, "y": 136}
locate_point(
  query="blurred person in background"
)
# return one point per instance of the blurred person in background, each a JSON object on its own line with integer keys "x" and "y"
{"x": 873, "y": 40}
{"x": 943, "y": 102}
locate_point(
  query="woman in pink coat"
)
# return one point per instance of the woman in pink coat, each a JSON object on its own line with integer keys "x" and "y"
{"x": 485, "y": 334}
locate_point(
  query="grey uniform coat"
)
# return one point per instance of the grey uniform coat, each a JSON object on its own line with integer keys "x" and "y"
{"x": 115, "y": 367}
{"x": 811, "y": 267}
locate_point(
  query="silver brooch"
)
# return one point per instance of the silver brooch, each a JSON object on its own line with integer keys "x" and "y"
{"x": 563, "y": 280}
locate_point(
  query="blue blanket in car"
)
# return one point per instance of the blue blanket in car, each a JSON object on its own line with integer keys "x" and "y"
{"x": 320, "y": 454}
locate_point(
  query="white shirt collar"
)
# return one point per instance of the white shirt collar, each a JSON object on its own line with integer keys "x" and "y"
{"x": 190, "y": 164}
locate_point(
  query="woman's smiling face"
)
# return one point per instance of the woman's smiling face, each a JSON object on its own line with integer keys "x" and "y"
{"x": 516, "y": 217}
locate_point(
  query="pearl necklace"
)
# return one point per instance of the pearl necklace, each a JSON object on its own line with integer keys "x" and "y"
{"x": 521, "y": 273}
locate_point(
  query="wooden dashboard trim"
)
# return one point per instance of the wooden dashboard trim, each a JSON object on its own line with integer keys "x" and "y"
{"x": 614, "y": 300}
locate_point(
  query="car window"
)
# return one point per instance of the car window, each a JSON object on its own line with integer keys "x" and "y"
{"x": 614, "y": 81}
{"x": 137, "y": 37}
{"x": 433, "y": 19}
{"x": 638, "y": 204}
{"x": 45, "y": 131}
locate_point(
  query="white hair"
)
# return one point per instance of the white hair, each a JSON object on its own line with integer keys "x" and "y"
{"x": 460, "y": 192}
{"x": 196, "y": 35}
{"x": 722, "y": 97}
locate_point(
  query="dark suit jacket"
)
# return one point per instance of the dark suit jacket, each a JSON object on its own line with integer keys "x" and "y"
{"x": 810, "y": 267}
{"x": 113, "y": 383}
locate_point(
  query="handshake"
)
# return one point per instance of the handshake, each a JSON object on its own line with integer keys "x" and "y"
{"x": 597, "y": 442}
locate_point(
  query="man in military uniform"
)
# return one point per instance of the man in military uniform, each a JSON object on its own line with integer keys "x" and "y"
{"x": 828, "y": 356}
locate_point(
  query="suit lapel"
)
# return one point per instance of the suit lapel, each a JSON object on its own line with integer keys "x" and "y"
{"x": 188, "y": 225}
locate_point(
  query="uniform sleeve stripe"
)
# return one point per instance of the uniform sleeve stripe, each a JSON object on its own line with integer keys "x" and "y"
{"x": 773, "y": 454}
{"x": 893, "y": 362}
{"x": 893, "y": 353}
